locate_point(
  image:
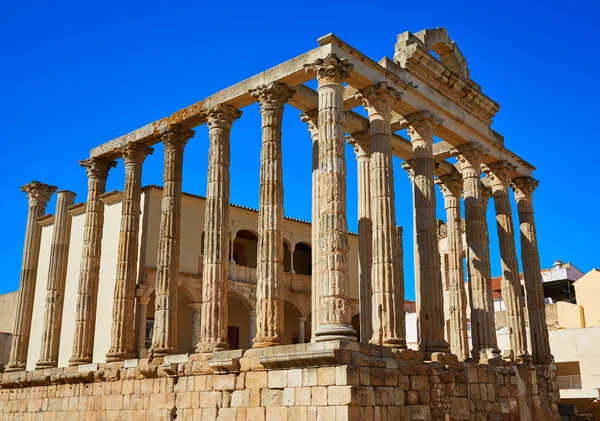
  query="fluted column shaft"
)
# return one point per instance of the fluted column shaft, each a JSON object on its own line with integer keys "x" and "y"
{"x": 401, "y": 314}
{"x": 483, "y": 329}
{"x": 123, "y": 332}
{"x": 499, "y": 176}
{"x": 57, "y": 278}
{"x": 361, "y": 142}
{"x": 196, "y": 318}
{"x": 451, "y": 186}
{"x": 386, "y": 304}
{"x": 301, "y": 333}
{"x": 269, "y": 271}
{"x": 429, "y": 288}
{"x": 530, "y": 258}
{"x": 89, "y": 273}
{"x": 164, "y": 338}
{"x": 335, "y": 314}
{"x": 213, "y": 327}
{"x": 311, "y": 119}
{"x": 38, "y": 195}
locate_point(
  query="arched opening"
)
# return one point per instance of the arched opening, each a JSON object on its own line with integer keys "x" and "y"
{"x": 303, "y": 259}
{"x": 245, "y": 248}
{"x": 291, "y": 322}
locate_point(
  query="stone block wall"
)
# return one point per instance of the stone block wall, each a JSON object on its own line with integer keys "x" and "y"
{"x": 357, "y": 386}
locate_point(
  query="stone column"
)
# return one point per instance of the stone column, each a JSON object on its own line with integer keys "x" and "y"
{"x": 483, "y": 328}
{"x": 451, "y": 186}
{"x": 361, "y": 143}
{"x": 429, "y": 288}
{"x": 196, "y": 318}
{"x": 301, "y": 333}
{"x": 141, "y": 315}
{"x": 530, "y": 258}
{"x": 252, "y": 327}
{"x": 499, "y": 175}
{"x": 57, "y": 279}
{"x": 311, "y": 119}
{"x": 401, "y": 314}
{"x": 232, "y": 264}
{"x": 89, "y": 272}
{"x": 378, "y": 101}
{"x": 335, "y": 312}
{"x": 213, "y": 326}
{"x": 122, "y": 332}
{"x": 269, "y": 271}
{"x": 164, "y": 338}
{"x": 38, "y": 195}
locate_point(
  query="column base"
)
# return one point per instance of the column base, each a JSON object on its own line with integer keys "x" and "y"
{"x": 13, "y": 366}
{"x": 488, "y": 356}
{"x": 335, "y": 332}
{"x": 265, "y": 341}
{"x": 434, "y": 345}
{"x": 389, "y": 342}
{"x": 43, "y": 364}
{"x": 212, "y": 345}
{"x": 119, "y": 355}
{"x": 161, "y": 352}
{"x": 74, "y": 361}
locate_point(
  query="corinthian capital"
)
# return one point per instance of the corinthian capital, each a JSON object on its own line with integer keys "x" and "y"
{"x": 222, "y": 116}
{"x": 423, "y": 124}
{"x": 407, "y": 166}
{"x": 524, "y": 187}
{"x": 450, "y": 184}
{"x": 273, "y": 95}
{"x": 499, "y": 174}
{"x": 38, "y": 193}
{"x": 330, "y": 69}
{"x": 311, "y": 118}
{"x": 135, "y": 153}
{"x": 361, "y": 142}
{"x": 97, "y": 167}
{"x": 378, "y": 98}
{"x": 469, "y": 155}
{"x": 177, "y": 136}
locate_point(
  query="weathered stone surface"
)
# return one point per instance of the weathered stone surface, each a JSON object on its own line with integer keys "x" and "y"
{"x": 483, "y": 330}
{"x": 38, "y": 195}
{"x": 57, "y": 278}
{"x": 89, "y": 273}
{"x": 213, "y": 330}
{"x": 269, "y": 288}
{"x": 164, "y": 339}
{"x": 122, "y": 332}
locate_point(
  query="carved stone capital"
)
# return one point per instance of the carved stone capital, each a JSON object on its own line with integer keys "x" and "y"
{"x": 378, "y": 98}
{"x": 423, "y": 124}
{"x": 177, "y": 136}
{"x": 330, "y": 69}
{"x": 361, "y": 142}
{"x": 524, "y": 187}
{"x": 311, "y": 118}
{"x": 97, "y": 167}
{"x": 222, "y": 116}
{"x": 499, "y": 174}
{"x": 135, "y": 153}
{"x": 407, "y": 166}
{"x": 450, "y": 184}
{"x": 469, "y": 155}
{"x": 486, "y": 193}
{"x": 38, "y": 193}
{"x": 272, "y": 96}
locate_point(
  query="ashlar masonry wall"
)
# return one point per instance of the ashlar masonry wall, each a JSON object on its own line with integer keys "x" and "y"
{"x": 340, "y": 381}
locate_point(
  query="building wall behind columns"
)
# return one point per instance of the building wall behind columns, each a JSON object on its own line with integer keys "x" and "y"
{"x": 39, "y": 301}
{"x": 67, "y": 331}
{"x": 106, "y": 287}
{"x": 8, "y": 307}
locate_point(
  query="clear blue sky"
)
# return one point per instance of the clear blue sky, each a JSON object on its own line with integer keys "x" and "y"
{"x": 75, "y": 75}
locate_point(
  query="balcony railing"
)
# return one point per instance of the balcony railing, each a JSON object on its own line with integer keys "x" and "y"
{"x": 569, "y": 382}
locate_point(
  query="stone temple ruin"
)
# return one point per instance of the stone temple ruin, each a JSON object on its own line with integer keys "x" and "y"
{"x": 427, "y": 89}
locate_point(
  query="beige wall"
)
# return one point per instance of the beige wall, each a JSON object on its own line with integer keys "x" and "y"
{"x": 587, "y": 290}
{"x": 8, "y": 306}
{"x": 583, "y": 345}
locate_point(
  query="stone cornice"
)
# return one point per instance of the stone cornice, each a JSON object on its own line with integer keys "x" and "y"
{"x": 46, "y": 220}
{"x": 413, "y": 55}
{"x": 77, "y": 209}
{"x": 111, "y": 197}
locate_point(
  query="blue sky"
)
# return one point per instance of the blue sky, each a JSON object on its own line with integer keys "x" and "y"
{"x": 75, "y": 75}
